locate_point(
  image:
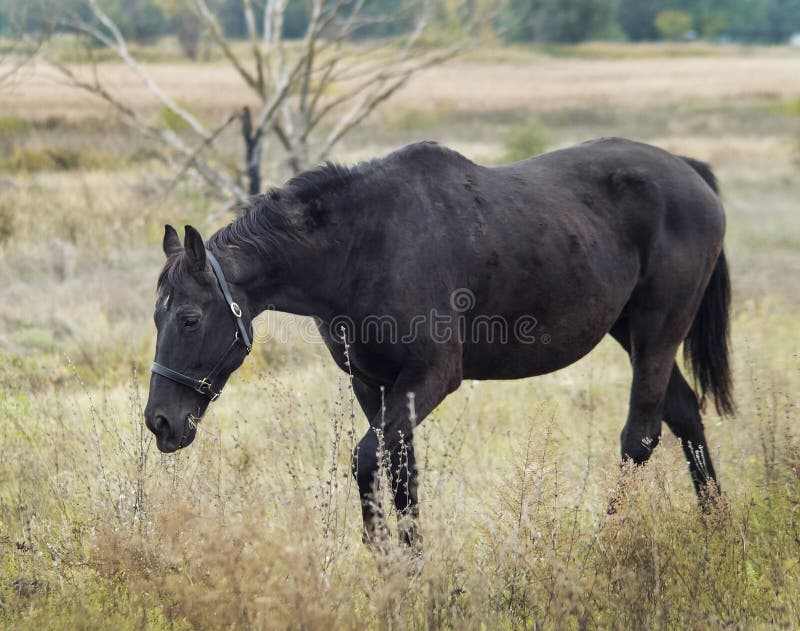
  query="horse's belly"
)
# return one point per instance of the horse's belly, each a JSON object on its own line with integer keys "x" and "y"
{"x": 515, "y": 360}
{"x": 513, "y": 347}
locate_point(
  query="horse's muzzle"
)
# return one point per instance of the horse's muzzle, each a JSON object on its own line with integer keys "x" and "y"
{"x": 168, "y": 441}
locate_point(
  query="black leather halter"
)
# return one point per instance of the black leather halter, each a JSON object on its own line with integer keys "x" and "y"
{"x": 241, "y": 337}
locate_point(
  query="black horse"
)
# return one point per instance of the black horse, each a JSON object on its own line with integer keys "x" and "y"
{"x": 434, "y": 269}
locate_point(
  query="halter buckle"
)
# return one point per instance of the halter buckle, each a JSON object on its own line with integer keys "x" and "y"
{"x": 204, "y": 388}
{"x": 237, "y": 310}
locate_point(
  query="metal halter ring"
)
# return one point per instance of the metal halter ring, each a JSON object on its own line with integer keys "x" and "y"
{"x": 237, "y": 310}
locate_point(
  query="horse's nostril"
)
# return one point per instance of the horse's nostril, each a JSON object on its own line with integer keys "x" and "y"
{"x": 158, "y": 425}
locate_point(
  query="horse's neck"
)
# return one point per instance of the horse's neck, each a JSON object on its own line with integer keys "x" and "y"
{"x": 295, "y": 289}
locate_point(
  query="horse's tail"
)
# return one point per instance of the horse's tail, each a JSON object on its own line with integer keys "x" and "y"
{"x": 704, "y": 171}
{"x": 707, "y": 344}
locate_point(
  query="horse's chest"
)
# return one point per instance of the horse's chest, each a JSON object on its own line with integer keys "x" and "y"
{"x": 374, "y": 366}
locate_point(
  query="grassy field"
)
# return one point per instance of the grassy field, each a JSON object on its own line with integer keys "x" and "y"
{"x": 257, "y": 524}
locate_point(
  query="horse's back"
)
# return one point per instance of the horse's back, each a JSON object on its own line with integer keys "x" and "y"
{"x": 617, "y": 166}
{"x": 641, "y": 196}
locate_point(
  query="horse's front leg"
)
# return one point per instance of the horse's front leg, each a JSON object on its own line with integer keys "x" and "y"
{"x": 366, "y": 470}
{"x": 366, "y": 465}
{"x": 405, "y": 481}
{"x": 419, "y": 388}
{"x": 400, "y": 465}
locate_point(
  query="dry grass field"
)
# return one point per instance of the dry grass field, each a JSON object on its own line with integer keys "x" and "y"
{"x": 257, "y": 524}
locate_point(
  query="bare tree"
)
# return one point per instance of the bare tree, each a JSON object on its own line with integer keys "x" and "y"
{"x": 19, "y": 51}
{"x": 298, "y": 111}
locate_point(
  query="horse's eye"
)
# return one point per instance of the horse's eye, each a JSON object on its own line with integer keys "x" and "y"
{"x": 190, "y": 322}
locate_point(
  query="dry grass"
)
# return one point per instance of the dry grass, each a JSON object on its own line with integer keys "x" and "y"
{"x": 525, "y": 80}
{"x": 256, "y": 526}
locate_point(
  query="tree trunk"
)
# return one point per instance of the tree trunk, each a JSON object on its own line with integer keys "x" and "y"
{"x": 252, "y": 146}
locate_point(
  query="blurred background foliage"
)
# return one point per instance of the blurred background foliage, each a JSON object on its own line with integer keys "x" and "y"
{"x": 518, "y": 21}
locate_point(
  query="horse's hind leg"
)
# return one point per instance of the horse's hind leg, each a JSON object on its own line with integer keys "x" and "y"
{"x": 652, "y": 363}
{"x": 642, "y": 430}
{"x": 681, "y": 411}
{"x": 682, "y": 414}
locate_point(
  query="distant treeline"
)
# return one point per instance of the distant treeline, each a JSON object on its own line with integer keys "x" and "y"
{"x": 547, "y": 21}
{"x": 572, "y": 21}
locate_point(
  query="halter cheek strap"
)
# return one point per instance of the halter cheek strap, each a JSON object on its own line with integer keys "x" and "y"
{"x": 241, "y": 337}
{"x": 226, "y": 292}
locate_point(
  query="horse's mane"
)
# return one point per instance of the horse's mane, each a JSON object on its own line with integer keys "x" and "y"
{"x": 328, "y": 178}
{"x": 284, "y": 214}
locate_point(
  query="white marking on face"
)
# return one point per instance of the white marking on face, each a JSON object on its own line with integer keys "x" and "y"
{"x": 165, "y": 300}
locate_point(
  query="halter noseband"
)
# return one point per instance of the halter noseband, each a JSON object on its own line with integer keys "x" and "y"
{"x": 205, "y": 386}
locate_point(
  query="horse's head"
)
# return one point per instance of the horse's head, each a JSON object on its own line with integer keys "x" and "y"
{"x": 202, "y": 339}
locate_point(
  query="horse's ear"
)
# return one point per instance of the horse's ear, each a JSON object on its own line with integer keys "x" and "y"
{"x": 195, "y": 248}
{"x": 172, "y": 242}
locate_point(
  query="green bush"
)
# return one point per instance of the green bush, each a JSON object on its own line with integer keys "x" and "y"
{"x": 66, "y": 158}
{"x": 790, "y": 107}
{"x": 35, "y": 159}
{"x": 29, "y": 159}
{"x": 412, "y": 119}
{"x": 673, "y": 24}
{"x": 13, "y": 124}
{"x": 172, "y": 121}
{"x": 524, "y": 141}
{"x": 6, "y": 220}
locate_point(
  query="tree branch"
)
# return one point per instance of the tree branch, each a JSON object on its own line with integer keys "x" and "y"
{"x": 250, "y": 21}
{"x": 219, "y": 38}
{"x": 116, "y": 42}
{"x": 18, "y": 58}
{"x": 164, "y": 136}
